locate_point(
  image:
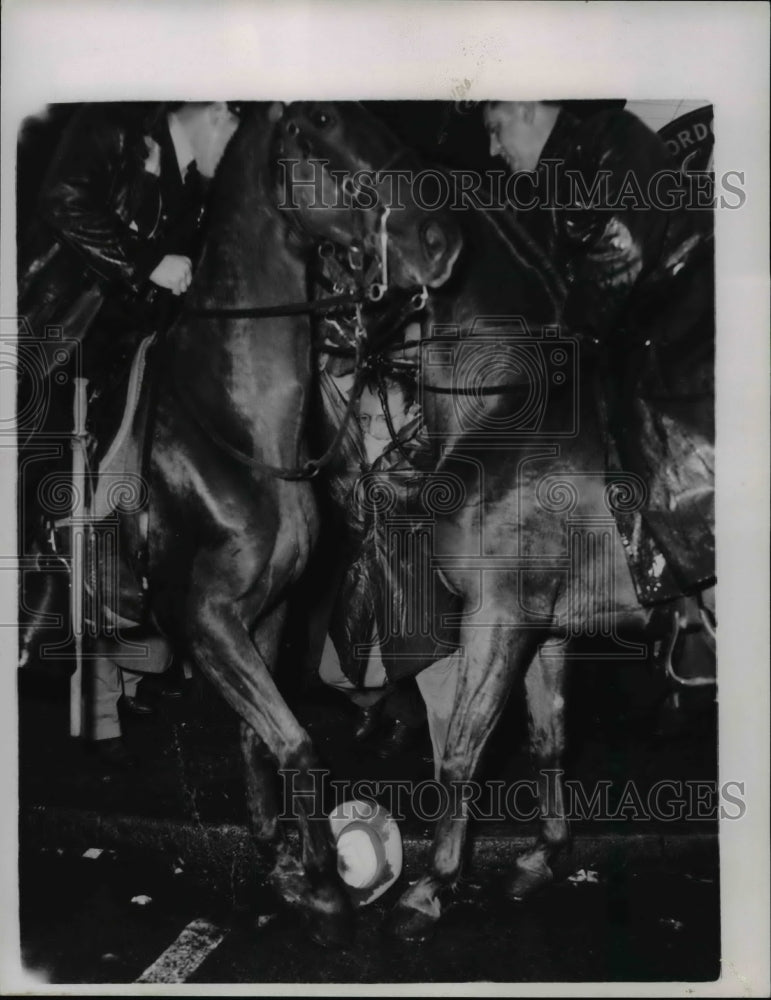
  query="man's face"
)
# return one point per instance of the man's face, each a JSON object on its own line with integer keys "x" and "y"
{"x": 514, "y": 134}
{"x": 374, "y": 425}
{"x": 216, "y": 129}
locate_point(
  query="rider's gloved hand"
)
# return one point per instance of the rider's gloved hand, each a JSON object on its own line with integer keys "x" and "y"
{"x": 174, "y": 272}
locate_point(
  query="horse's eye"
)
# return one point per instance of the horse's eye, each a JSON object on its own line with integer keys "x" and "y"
{"x": 321, "y": 119}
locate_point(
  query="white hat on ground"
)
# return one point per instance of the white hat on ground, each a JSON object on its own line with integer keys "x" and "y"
{"x": 369, "y": 848}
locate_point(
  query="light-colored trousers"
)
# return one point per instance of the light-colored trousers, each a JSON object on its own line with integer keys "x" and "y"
{"x": 437, "y": 685}
{"x": 117, "y": 669}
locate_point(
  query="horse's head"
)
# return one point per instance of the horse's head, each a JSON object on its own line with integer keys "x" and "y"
{"x": 339, "y": 166}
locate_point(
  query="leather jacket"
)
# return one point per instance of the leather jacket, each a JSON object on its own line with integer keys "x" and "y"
{"x": 106, "y": 216}
{"x": 633, "y": 266}
{"x": 637, "y": 260}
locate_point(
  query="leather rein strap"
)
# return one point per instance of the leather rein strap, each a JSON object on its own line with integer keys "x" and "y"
{"x": 320, "y": 306}
{"x": 292, "y": 474}
{"x": 368, "y": 291}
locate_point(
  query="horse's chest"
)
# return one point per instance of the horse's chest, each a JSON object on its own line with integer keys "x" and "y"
{"x": 298, "y": 526}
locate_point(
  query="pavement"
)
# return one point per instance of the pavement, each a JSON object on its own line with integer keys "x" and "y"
{"x": 633, "y": 900}
{"x": 124, "y": 916}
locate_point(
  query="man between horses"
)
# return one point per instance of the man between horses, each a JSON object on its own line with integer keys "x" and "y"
{"x": 638, "y": 266}
{"x": 106, "y": 260}
{"x": 390, "y": 714}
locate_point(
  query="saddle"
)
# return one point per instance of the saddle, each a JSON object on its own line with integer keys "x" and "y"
{"x": 120, "y": 454}
{"x": 117, "y": 485}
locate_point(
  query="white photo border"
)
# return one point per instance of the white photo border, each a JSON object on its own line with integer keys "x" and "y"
{"x": 188, "y": 49}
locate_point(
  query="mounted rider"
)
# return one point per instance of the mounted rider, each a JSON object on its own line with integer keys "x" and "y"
{"x": 106, "y": 259}
{"x": 117, "y": 225}
{"x": 609, "y": 207}
{"x": 111, "y": 246}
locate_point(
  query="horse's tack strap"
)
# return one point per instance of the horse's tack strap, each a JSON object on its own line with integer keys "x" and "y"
{"x": 447, "y": 390}
{"x": 312, "y": 467}
{"x": 326, "y": 305}
{"x": 482, "y": 390}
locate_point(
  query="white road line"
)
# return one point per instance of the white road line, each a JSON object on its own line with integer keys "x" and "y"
{"x": 182, "y": 958}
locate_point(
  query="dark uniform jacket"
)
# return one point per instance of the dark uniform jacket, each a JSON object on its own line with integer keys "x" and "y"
{"x": 636, "y": 253}
{"x": 605, "y": 185}
{"x": 104, "y": 222}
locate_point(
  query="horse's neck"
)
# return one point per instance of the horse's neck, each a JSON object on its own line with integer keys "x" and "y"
{"x": 571, "y": 435}
{"x": 251, "y": 375}
{"x": 516, "y": 237}
{"x": 506, "y": 250}
{"x": 505, "y": 296}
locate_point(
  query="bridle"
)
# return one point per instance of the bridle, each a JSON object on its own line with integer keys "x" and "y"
{"x": 369, "y": 286}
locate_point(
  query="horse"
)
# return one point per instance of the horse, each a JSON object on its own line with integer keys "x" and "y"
{"x": 230, "y": 508}
{"x": 524, "y": 534}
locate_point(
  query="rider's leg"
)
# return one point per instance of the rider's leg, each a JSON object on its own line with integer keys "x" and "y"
{"x": 102, "y": 690}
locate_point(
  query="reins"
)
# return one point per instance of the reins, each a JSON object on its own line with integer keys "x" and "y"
{"x": 292, "y": 474}
{"x": 330, "y": 304}
{"x": 369, "y": 291}
{"x": 320, "y": 307}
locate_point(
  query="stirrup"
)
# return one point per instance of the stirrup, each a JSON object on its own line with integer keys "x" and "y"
{"x": 708, "y": 621}
{"x": 666, "y": 655}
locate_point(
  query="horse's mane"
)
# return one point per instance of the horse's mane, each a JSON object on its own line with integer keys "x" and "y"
{"x": 243, "y": 216}
{"x": 246, "y": 158}
{"x": 518, "y": 241}
{"x": 388, "y": 140}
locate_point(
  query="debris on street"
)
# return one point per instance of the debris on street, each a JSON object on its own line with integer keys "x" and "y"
{"x": 584, "y": 875}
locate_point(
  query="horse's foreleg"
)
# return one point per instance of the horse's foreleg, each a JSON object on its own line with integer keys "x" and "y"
{"x": 223, "y": 648}
{"x": 259, "y": 768}
{"x": 494, "y": 655}
{"x": 260, "y": 777}
{"x": 545, "y": 688}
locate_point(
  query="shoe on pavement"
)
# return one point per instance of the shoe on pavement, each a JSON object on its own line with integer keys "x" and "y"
{"x": 172, "y": 689}
{"x": 367, "y": 722}
{"x": 173, "y": 683}
{"x": 135, "y": 706}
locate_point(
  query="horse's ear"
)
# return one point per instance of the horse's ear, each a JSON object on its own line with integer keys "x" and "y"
{"x": 275, "y": 111}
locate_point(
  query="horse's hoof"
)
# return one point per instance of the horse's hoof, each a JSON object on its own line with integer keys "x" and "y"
{"x": 528, "y": 879}
{"x": 329, "y": 913}
{"x": 332, "y": 930}
{"x": 409, "y": 924}
{"x": 326, "y": 908}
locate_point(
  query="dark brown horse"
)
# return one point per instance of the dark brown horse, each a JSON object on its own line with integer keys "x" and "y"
{"x": 524, "y": 534}
{"x": 231, "y": 512}
{"x": 229, "y": 534}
